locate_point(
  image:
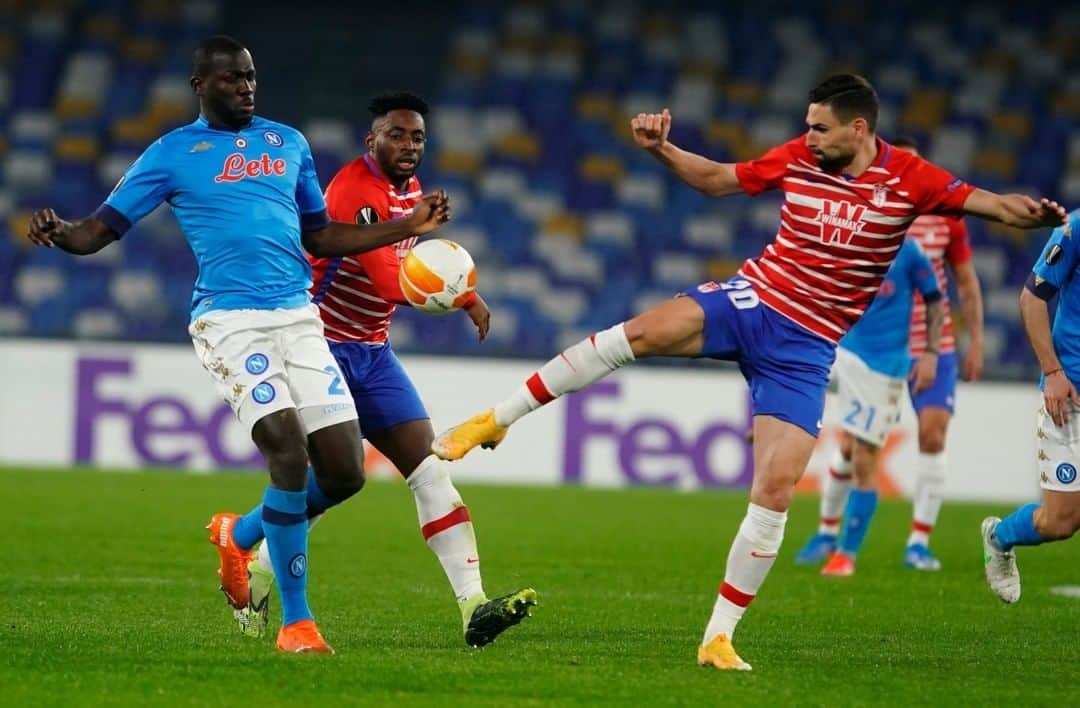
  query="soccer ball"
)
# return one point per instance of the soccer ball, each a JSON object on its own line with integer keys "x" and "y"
{"x": 437, "y": 276}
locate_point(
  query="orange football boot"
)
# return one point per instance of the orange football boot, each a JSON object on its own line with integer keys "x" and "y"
{"x": 302, "y": 638}
{"x": 234, "y": 560}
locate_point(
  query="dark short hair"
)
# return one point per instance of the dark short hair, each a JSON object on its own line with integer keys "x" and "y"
{"x": 850, "y": 96}
{"x": 203, "y": 55}
{"x": 395, "y": 101}
{"x": 905, "y": 141}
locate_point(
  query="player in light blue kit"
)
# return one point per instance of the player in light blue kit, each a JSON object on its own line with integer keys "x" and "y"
{"x": 247, "y": 198}
{"x": 1058, "y": 426}
{"x": 872, "y": 365}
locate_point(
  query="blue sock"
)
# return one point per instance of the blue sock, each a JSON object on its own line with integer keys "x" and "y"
{"x": 248, "y": 529}
{"x": 1018, "y": 529}
{"x": 285, "y": 525}
{"x": 861, "y": 505}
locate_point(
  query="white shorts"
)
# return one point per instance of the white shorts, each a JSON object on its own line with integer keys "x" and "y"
{"x": 1058, "y": 452}
{"x": 264, "y": 361}
{"x": 869, "y": 401}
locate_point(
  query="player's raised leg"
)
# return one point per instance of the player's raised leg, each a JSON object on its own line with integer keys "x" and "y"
{"x": 672, "y": 328}
{"x": 835, "y": 485}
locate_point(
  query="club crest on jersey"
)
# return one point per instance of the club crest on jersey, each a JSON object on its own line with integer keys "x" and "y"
{"x": 273, "y": 139}
{"x": 710, "y": 287}
{"x": 241, "y": 142}
{"x": 840, "y": 220}
{"x": 237, "y": 167}
{"x": 880, "y": 196}
{"x": 1066, "y": 473}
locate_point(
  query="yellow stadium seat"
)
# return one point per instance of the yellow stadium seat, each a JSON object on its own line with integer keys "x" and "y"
{"x": 77, "y": 149}
{"x": 135, "y": 129}
{"x": 1067, "y": 104}
{"x": 18, "y": 225}
{"x": 601, "y": 168}
{"x": 469, "y": 63}
{"x": 162, "y": 112}
{"x": 76, "y": 107}
{"x": 103, "y": 27}
{"x": 696, "y": 68}
{"x": 596, "y": 105}
{"x": 458, "y": 163}
{"x": 8, "y": 45}
{"x": 721, "y": 268}
{"x": 1016, "y": 123}
{"x": 925, "y": 110}
{"x": 1001, "y": 163}
{"x": 745, "y": 92}
{"x": 725, "y": 132}
{"x": 565, "y": 224}
{"x": 143, "y": 49}
{"x": 564, "y": 42}
{"x": 522, "y": 146}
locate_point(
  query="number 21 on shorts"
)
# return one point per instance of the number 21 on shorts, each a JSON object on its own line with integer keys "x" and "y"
{"x": 741, "y": 293}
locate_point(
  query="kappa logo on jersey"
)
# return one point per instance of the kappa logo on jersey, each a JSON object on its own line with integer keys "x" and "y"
{"x": 840, "y": 220}
{"x": 237, "y": 167}
{"x": 273, "y": 139}
{"x": 202, "y": 147}
{"x": 367, "y": 215}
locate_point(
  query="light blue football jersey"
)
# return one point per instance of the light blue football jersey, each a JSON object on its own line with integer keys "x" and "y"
{"x": 242, "y": 198}
{"x": 1057, "y": 266}
{"x": 880, "y": 337}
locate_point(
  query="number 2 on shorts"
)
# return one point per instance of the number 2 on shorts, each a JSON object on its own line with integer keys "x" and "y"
{"x": 335, "y": 388}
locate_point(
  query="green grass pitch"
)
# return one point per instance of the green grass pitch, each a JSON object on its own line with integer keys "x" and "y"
{"x": 109, "y": 597}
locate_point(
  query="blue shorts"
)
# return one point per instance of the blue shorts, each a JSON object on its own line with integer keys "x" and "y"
{"x": 383, "y": 392}
{"x": 943, "y": 393}
{"x": 786, "y": 365}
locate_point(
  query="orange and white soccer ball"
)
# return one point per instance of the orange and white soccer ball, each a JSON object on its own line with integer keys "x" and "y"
{"x": 437, "y": 276}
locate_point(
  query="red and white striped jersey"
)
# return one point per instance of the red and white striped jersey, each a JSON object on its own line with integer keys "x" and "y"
{"x": 838, "y": 235}
{"x": 944, "y": 240}
{"x": 357, "y": 295}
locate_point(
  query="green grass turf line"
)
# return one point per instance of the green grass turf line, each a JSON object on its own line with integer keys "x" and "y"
{"x": 108, "y": 597}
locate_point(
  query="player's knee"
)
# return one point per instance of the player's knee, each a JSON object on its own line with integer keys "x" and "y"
{"x": 345, "y": 479}
{"x": 288, "y": 466}
{"x": 931, "y": 439}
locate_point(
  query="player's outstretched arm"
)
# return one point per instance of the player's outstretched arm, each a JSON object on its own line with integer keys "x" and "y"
{"x": 717, "y": 179}
{"x": 81, "y": 237}
{"x": 339, "y": 238}
{"x": 1017, "y": 210}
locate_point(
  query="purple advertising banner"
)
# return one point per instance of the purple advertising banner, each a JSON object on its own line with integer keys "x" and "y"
{"x": 667, "y": 445}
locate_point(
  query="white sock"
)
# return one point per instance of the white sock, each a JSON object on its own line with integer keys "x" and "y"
{"x": 577, "y": 367}
{"x": 834, "y": 492}
{"x": 264, "y": 547}
{"x": 446, "y": 526}
{"x": 753, "y": 553}
{"x": 929, "y": 489}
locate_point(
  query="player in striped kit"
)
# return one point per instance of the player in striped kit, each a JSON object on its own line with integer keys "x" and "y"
{"x": 356, "y": 297}
{"x": 944, "y": 239}
{"x": 849, "y": 200}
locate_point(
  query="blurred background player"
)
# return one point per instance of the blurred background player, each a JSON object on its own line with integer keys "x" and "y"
{"x": 357, "y": 297}
{"x": 945, "y": 241}
{"x": 871, "y": 367}
{"x": 1058, "y": 423}
{"x": 245, "y": 192}
{"x": 849, "y": 198}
